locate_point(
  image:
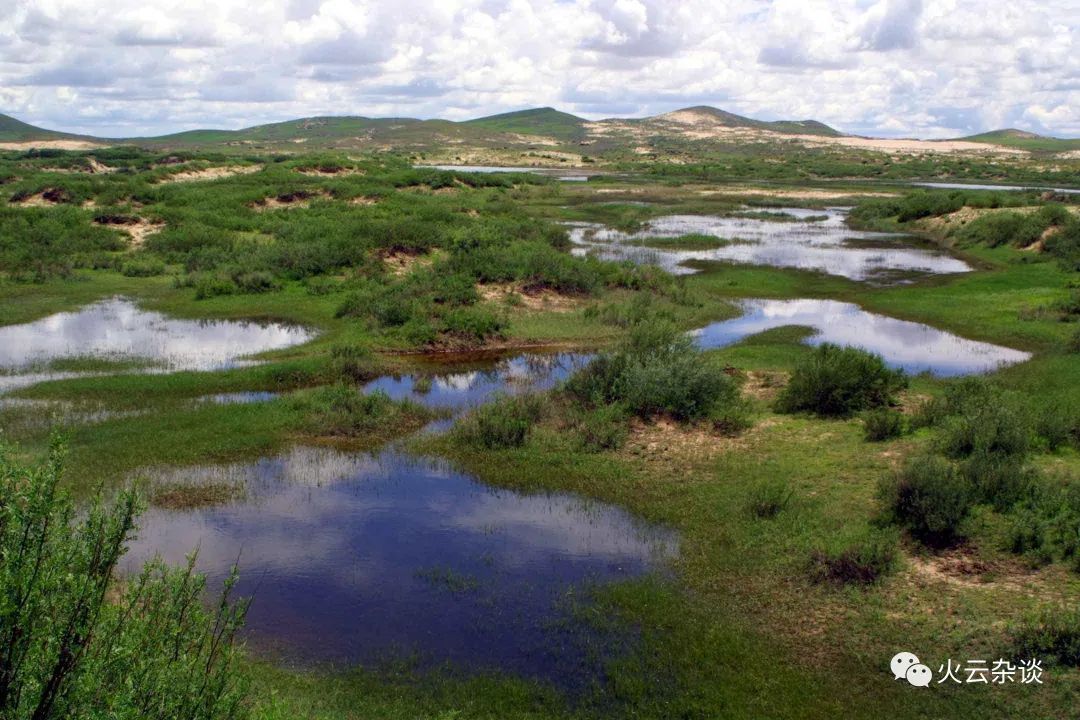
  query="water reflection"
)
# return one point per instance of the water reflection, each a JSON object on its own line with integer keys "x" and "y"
{"x": 808, "y": 243}
{"x": 565, "y": 174}
{"x": 117, "y": 329}
{"x": 359, "y": 558}
{"x": 467, "y": 384}
{"x": 909, "y": 345}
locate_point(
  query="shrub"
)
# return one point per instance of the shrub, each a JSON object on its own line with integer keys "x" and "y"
{"x": 147, "y": 267}
{"x": 929, "y": 498}
{"x": 1052, "y": 634}
{"x": 208, "y": 285}
{"x": 1073, "y": 345}
{"x": 473, "y": 323}
{"x": 1057, "y": 424}
{"x": 355, "y": 362}
{"x": 839, "y": 381}
{"x": 602, "y": 429}
{"x": 656, "y": 371}
{"x": 345, "y": 411}
{"x": 998, "y": 480}
{"x": 503, "y": 423}
{"x": 863, "y": 561}
{"x": 985, "y": 420}
{"x": 882, "y": 424}
{"x": 770, "y": 498}
{"x": 71, "y": 653}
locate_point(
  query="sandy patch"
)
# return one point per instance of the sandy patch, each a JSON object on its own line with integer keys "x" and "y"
{"x": 214, "y": 173}
{"x": 137, "y": 228}
{"x": 400, "y": 264}
{"x": 763, "y": 385}
{"x": 909, "y": 146}
{"x": 363, "y": 200}
{"x": 325, "y": 172}
{"x": 534, "y": 298}
{"x": 46, "y": 198}
{"x": 962, "y": 567}
{"x": 794, "y": 194}
{"x": 297, "y": 199}
{"x": 51, "y": 145}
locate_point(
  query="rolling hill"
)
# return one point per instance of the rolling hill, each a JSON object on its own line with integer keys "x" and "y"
{"x": 1023, "y": 140}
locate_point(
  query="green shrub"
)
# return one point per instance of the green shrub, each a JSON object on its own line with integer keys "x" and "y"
{"x": 145, "y": 267}
{"x": 984, "y": 419}
{"x": 882, "y": 424}
{"x": 1052, "y": 634}
{"x": 506, "y": 422}
{"x": 209, "y": 285}
{"x": 839, "y": 381}
{"x": 154, "y": 651}
{"x": 1073, "y": 345}
{"x": 998, "y": 480}
{"x": 770, "y": 498}
{"x": 929, "y": 498}
{"x": 343, "y": 410}
{"x": 473, "y": 323}
{"x": 656, "y": 371}
{"x": 603, "y": 428}
{"x": 863, "y": 561}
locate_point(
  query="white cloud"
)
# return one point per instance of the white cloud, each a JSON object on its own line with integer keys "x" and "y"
{"x": 901, "y": 67}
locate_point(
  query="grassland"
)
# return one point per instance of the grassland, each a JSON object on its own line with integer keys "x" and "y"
{"x": 740, "y": 629}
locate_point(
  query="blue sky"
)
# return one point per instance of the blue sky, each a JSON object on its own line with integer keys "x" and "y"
{"x": 882, "y": 67}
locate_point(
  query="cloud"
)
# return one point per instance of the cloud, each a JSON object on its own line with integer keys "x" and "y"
{"x": 892, "y": 25}
{"x": 902, "y": 67}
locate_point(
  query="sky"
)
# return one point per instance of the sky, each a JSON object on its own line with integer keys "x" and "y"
{"x": 922, "y": 68}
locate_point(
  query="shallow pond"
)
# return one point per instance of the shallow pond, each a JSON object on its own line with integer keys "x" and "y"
{"x": 909, "y": 345}
{"x": 470, "y": 383}
{"x": 809, "y": 240}
{"x": 118, "y": 330}
{"x": 976, "y": 186}
{"x": 358, "y": 558}
{"x": 566, "y": 174}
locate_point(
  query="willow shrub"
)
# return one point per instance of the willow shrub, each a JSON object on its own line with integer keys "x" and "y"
{"x": 840, "y": 381}
{"x": 70, "y": 648}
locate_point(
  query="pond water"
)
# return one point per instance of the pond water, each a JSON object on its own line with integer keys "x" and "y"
{"x": 909, "y": 345}
{"x": 359, "y": 558}
{"x": 976, "y": 186}
{"x": 117, "y": 329}
{"x": 470, "y": 383}
{"x": 807, "y": 242}
{"x": 566, "y": 174}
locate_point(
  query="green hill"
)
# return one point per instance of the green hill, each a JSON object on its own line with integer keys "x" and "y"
{"x": 537, "y": 121}
{"x": 12, "y": 130}
{"x": 1023, "y": 140}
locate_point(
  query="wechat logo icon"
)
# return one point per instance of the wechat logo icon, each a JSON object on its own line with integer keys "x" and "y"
{"x": 905, "y": 665}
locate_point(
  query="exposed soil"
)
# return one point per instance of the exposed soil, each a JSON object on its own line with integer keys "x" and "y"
{"x": 330, "y": 171}
{"x": 400, "y": 264}
{"x": 214, "y": 173}
{"x": 46, "y": 198}
{"x": 296, "y": 199}
{"x": 52, "y": 145}
{"x": 531, "y": 297}
{"x": 137, "y": 228}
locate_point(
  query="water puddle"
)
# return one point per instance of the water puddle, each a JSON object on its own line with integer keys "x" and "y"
{"x": 816, "y": 240}
{"x": 470, "y": 383}
{"x": 117, "y": 330}
{"x": 909, "y": 345}
{"x": 565, "y": 174}
{"x": 1009, "y": 188}
{"x": 358, "y": 558}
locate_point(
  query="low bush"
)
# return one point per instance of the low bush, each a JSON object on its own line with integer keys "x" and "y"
{"x": 603, "y": 428}
{"x": 929, "y": 498}
{"x": 770, "y": 498}
{"x": 882, "y": 424}
{"x": 143, "y": 267}
{"x": 79, "y": 645}
{"x": 1053, "y": 634}
{"x": 505, "y": 422}
{"x": 344, "y": 411}
{"x": 839, "y": 381}
{"x": 657, "y": 371}
{"x": 998, "y": 480}
{"x": 863, "y": 561}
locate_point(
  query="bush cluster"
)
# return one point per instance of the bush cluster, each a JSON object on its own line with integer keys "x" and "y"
{"x": 839, "y": 381}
